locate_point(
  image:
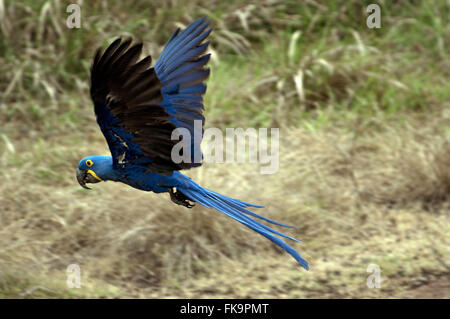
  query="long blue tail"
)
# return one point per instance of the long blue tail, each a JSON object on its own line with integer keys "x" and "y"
{"x": 235, "y": 209}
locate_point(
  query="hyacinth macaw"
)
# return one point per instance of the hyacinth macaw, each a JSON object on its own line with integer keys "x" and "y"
{"x": 137, "y": 108}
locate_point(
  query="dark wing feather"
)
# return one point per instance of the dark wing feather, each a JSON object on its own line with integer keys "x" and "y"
{"x": 138, "y": 107}
{"x": 181, "y": 70}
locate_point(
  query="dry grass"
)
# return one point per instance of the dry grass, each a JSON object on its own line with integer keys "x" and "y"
{"x": 364, "y": 154}
{"x": 379, "y": 197}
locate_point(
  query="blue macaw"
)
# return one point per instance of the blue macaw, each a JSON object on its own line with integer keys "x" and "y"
{"x": 138, "y": 107}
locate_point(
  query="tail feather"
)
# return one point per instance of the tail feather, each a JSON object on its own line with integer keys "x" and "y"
{"x": 227, "y": 209}
{"x": 235, "y": 203}
{"x": 235, "y": 209}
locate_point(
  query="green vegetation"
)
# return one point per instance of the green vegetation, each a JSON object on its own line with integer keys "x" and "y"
{"x": 364, "y": 152}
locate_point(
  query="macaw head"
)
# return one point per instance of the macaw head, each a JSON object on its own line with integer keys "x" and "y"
{"x": 93, "y": 169}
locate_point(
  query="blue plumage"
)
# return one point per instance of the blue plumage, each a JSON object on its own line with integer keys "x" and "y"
{"x": 137, "y": 109}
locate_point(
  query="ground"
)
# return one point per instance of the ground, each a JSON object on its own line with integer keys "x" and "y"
{"x": 364, "y": 158}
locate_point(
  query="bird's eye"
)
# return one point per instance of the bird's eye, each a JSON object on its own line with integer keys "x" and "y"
{"x": 89, "y": 163}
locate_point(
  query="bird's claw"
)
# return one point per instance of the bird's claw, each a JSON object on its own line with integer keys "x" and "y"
{"x": 179, "y": 198}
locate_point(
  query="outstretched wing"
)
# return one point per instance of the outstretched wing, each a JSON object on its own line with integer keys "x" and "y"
{"x": 138, "y": 107}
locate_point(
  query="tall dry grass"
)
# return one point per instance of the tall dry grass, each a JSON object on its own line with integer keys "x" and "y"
{"x": 349, "y": 196}
{"x": 364, "y": 153}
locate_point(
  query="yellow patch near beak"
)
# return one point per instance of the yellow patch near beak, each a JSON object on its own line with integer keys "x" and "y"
{"x": 93, "y": 174}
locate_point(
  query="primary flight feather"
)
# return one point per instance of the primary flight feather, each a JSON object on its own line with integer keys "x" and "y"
{"x": 138, "y": 107}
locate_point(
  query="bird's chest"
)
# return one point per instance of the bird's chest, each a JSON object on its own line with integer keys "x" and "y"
{"x": 141, "y": 179}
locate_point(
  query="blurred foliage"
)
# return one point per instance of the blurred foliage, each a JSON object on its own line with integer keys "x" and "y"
{"x": 365, "y": 151}
{"x": 289, "y": 56}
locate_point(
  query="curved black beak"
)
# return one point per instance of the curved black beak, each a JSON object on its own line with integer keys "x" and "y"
{"x": 87, "y": 176}
{"x": 82, "y": 178}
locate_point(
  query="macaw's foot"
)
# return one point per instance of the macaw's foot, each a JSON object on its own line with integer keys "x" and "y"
{"x": 179, "y": 198}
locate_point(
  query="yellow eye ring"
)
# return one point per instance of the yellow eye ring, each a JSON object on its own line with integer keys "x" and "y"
{"x": 89, "y": 163}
